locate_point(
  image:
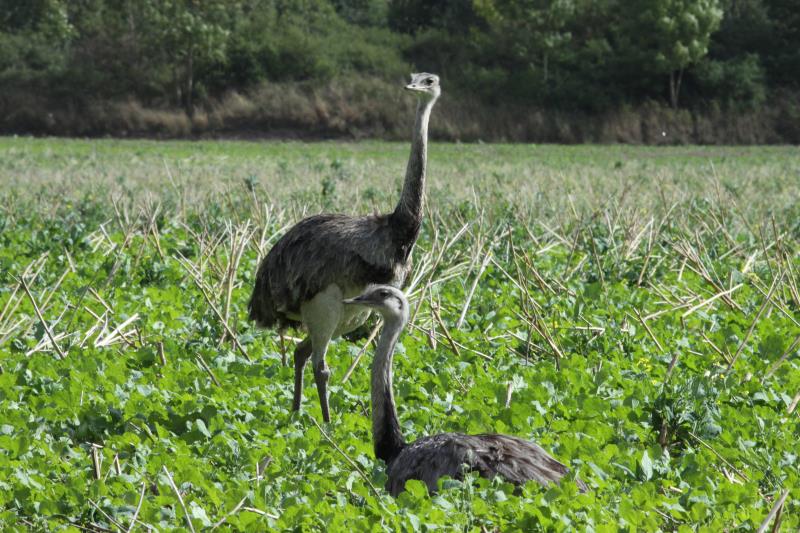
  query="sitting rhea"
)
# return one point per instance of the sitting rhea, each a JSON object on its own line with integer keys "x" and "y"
{"x": 448, "y": 454}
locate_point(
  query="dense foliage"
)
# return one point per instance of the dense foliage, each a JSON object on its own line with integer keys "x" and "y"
{"x": 573, "y": 55}
{"x": 635, "y": 311}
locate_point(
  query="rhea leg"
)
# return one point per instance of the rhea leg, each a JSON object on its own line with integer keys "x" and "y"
{"x": 319, "y": 347}
{"x": 321, "y": 316}
{"x": 321, "y": 376}
{"x": 301, "y": 354}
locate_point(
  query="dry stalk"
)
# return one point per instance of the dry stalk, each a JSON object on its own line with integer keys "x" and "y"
{"x": 100, "y": 299}
{"x": 179, "y": 190}
{"x": 231, "y": 513}
{"x": 561, "y": 239}
{"x": 793, "y": 405}
{"x": 714, "y": 347}
{"x": 46, "y": 327}
{"x": 782, "y": 358}
{"x": 180, "y": 498}
{"x": 772, "y": 512}
{"x": 97, "y": 461}
{"x": 633, "y": 244}
{"x": 472, "y": 288}
{"x": 764, "y": 305}
{"x": 541, "y": 328}
{"x": 362, "y": 351}
{"x": 161, "y": 355}
{"x": 455, "y": 342}
{"x": 195, "y": 275}
{"x": 536, "y": 324}
{"x": 348, "y": 459}
{"x": 778, "y": 305}
{"x": 204, "y": 366}
{"x": 573, "y": 248}
{"x": 138, "y": 508}
{"x": 260, "y": 512}
{"x": 45, "y": 302}
{"x": 117, "y": 334}
{"x": 264, "y": 240}
{"x": 237, "y": 245}
{"x": 695, "y": 263}
{"x": 109, "y": 518}
{"x": 44, "y": 343}
{"x": 432, "y": 270}
{"x": 649, "y": 331}
{"x": 720, "y": 457}
{"x": 156, "y": 238}
{"x": 450, "y": 341}
{"x": 597, "y": 258}
{"x": 710, "y": 300}
{"x": 530, "y": 307}
{"x": 507, "y": 275}
{"x": 783, "y": 258}
{"x": 129, "y": 233}
{"x": 7, "y": 328}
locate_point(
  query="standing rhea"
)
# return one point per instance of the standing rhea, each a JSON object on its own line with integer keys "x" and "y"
{"x": 446, "y": 454}
{"x": 326, "y": 258}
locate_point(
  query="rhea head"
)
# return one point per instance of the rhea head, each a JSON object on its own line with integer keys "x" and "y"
{"x": 389, "y": 301}
{"x": 425, "y": 84}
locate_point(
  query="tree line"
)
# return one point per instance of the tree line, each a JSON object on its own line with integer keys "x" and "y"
{"x": 584, "y": 56}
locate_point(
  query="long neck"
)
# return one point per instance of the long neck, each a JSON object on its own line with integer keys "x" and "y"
{"x": 408, "y": 213}
{"x": 386, "y": 434}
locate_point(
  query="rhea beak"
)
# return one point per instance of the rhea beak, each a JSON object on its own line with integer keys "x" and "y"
{"x": 412, "y": 87}
{"x": 358, "y": 300}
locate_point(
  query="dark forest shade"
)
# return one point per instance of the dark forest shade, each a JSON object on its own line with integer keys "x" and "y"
{"x": 66, "y": 67}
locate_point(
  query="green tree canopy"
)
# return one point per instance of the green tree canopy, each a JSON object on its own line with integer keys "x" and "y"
{"x": 572, "y": 55}
{"x": 667, "y": 36}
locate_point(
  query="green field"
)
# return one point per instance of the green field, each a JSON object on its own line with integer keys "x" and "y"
{"x": 634, "y": 310}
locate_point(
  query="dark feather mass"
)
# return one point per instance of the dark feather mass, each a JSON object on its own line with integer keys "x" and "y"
{"x": 451, "y": 454}
{"x": 325, "y": 249}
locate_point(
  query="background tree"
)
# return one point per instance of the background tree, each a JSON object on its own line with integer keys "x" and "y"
{"x": 537, "y": 29}
{"x": 783, "y": 59}
{"x": 35, "y": 40}
{"x": 191, "y": 34}
{"x": 667, "y": 36}
{"x": 575, "y": 56}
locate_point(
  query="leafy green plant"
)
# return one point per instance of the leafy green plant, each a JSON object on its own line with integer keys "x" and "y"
{"x": 636, "y": 320}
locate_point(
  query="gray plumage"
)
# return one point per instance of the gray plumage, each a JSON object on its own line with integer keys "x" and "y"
{"x": 327, "y": 257}
{"x": 448, "y": 454}
{"x": 451, "y": 454}
{"x": 325, "y": 249}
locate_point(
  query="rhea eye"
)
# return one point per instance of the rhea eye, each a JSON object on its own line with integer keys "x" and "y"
{"x": 384, "y": 293}
{"x": 429, "y": 81}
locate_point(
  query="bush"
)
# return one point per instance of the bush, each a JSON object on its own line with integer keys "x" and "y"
{"x": 736, "y": 83}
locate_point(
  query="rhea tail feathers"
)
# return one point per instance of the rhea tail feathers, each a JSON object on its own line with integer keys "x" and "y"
{"x": 261, "y": 308}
